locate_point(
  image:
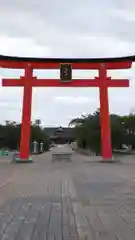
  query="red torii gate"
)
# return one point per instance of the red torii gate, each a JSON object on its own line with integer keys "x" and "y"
{"x": 28, "y": 81}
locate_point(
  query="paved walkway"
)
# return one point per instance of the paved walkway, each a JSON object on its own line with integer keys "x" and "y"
{"x": 83, "y": 200}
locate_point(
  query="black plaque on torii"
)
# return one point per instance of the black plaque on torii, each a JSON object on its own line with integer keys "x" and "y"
{"x": 66, "y": 72}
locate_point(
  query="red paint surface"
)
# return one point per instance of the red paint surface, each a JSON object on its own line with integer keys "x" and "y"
{"x": 56, "y": 65}
{"x": 103, "y": 82}
{"x": 104, "y": 115}
{"x": 26, "y": 114}
{"x": 57, "y": 83}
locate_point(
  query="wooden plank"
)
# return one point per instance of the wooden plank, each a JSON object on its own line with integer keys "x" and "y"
{"x": 16, "y": 222}
{"x": 11, "y": 210}
{"x": 28, "y": 225}
{"x": 41, "y": 227}
{"x": 83, "y": 229}
{"x": 68, "y": 219}
{"x": 55, "y": 231}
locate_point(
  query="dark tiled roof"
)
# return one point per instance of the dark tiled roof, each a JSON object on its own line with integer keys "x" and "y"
{"x": 66, "y": 132}
{"x": 71, "y": 60}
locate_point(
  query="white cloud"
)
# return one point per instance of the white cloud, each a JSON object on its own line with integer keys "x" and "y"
{"x": 60, "y": 28}
{"x": 125, "y": 15}
{"x": 17, "y": 46}
{"x": 72, "y": 100}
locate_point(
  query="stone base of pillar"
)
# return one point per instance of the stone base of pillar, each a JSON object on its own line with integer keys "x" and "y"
{"x": 17, "y": 159}
{"x": 109, "y": 160}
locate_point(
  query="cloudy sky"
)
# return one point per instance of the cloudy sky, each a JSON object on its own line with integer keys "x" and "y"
{"x": 73, "y": 28}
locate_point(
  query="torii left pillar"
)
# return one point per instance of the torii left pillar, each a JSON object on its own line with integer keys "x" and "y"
{"x": 26, "y": 82}
{"x": 26, "y": 114}
{"x": 106, "y": 146}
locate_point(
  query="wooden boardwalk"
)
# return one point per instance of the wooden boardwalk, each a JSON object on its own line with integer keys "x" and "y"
{"x": 78, "y": 200}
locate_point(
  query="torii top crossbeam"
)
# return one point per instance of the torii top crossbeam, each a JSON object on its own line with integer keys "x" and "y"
{"x": 103, "y": 82}
{"x": 53, "y": 63}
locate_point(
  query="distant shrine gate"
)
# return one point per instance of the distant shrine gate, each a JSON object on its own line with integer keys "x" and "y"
{"x": 65, "y": 65}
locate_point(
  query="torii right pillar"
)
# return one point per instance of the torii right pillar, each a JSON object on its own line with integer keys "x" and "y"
{"x": 105, "y": 82}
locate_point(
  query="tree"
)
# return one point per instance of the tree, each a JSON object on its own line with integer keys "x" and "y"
{"x": 37, "y": 122}
{"x": 129, "y": 128}
{"x": 39, "y": 135}
{"x": 118, "y": 135}
{"x": 11, "y": 131}
{"x": 87, "y": 131}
